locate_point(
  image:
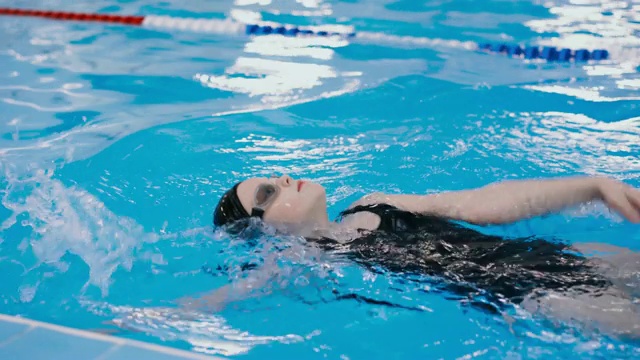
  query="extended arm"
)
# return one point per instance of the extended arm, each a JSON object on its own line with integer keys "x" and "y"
{"x": 514, "y": 200}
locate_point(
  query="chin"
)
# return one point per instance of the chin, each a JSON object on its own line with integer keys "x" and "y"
{"x": 317, "y": 199}
{"x": 317, "y": 190}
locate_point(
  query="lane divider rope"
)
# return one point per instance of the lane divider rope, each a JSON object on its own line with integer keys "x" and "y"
{"x": 228, "y": 26}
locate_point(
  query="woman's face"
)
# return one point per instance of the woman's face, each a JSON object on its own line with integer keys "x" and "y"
{"x": 293, "y": 202}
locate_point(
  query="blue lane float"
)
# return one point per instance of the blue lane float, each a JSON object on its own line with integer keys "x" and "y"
{"x": 253, "y": 29}
{"x": 545, "y": 53}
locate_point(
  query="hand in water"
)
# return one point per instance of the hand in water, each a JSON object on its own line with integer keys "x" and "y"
{"x": 621, "y": 197}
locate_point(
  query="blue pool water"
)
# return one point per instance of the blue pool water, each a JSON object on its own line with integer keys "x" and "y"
{"x": 116, "y": 143}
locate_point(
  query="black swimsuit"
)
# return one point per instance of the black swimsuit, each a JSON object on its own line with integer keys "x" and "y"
{"x": 473, "y": 265}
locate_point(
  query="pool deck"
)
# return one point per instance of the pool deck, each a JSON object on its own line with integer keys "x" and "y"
{"x": 22, "y": 338}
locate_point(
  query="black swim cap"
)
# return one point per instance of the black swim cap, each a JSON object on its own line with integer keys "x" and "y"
{"x": 229, "y": 208}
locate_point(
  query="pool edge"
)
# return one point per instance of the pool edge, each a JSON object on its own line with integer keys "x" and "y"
{"x": 115, "y": 343}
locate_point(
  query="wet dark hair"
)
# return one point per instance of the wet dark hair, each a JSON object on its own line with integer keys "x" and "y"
{"x": 229, "y": 209}
{"x": 488, "y": 272}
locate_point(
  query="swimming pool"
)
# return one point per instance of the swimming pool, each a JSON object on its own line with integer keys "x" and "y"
{"x": 117, "y": 142}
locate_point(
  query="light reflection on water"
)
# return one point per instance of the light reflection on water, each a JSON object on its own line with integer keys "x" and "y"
{"x": 252, "y": 75}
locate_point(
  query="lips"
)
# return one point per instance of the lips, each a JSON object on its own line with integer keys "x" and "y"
{"x": 300, "y": 183}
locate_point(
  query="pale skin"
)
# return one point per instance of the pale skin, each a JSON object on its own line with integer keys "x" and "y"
{"x": 301, "y": 209}
{"x": 498, "y": 203}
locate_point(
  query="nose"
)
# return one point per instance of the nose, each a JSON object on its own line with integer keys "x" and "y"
{"x": 285, "y": 180}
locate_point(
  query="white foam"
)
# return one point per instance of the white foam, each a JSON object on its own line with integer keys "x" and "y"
{"x": 67, "y": 219}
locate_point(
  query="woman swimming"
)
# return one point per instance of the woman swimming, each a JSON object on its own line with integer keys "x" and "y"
{"x": 421, "y": 234}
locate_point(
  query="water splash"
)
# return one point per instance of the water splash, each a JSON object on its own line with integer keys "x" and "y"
{"x": 67, "y": 219}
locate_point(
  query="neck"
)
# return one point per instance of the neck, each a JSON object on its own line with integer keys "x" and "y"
{"x": 327, "y": 229}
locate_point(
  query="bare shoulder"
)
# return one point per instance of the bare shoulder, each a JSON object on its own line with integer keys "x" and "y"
{"x": 362, "y": 220}
{"x": 372, "y": 199}
{"x": 365, "y": 219}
